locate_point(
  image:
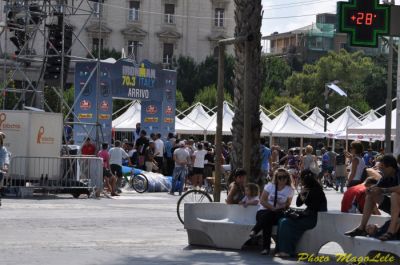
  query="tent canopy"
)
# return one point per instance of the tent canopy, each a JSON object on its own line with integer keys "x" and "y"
{"x": 288, "y": 124}
{"x": 375, "y": 127}
{"x": 344, "y": 121}
{"x": 316, "y": 120}
{"x": 127, "y": 121}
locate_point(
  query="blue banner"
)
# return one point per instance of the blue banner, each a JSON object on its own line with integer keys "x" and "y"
{"x": 149, "y": 83}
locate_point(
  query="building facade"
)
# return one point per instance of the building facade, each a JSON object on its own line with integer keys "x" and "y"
{"x": 157, "y": 30}
{"x": 313, "y": 41}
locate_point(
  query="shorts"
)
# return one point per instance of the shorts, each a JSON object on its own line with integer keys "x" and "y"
{"x": 327, "y": 169}
{"x": 107, "y": 172}
{"x": 117, "y": 170}
{"x": 198, "y": 171}
{"x": 385, "y": 204}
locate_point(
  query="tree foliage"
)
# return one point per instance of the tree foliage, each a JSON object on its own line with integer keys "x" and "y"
{"x": 193, "y": 77}
{"x": 208, "y": 96}
{"x": 275, "y": 71}
{"x": 181, "y": 104}
{"x": 355, "y": 72}
{"x": 295, "y": 101}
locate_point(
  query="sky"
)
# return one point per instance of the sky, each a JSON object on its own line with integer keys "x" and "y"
{"x": 288, "y": 8}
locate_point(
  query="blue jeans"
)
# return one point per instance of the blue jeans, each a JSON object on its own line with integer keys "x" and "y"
{"x": 180, "y": 174}
{"x": 290, "y": 232}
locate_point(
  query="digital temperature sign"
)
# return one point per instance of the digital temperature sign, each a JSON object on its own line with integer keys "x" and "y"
{"x": 364, "y": 20}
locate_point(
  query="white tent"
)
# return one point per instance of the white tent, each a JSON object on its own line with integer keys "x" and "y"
{"x": 288, "y": 124}
{"x": 369, "y": 117}
{"x": 227, "y": 117}
{"x": 316, "y": 120}
{"x": 197, "y": 117}
{"x": 344, "y": 121}
{"x": 264, "y": 118}
{"x": 375, "y": 127}
{"x": 183, "y": 128}
{"x": 127, "y": 121}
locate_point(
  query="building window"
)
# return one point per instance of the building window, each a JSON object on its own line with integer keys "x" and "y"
{"x": 219, "y": 17}
{"x": 133, "y": 47}
{"x": 98, "y": 8}
{"x": 95, "y": 44}
{"x": 134, "y": 7}
{"x": 168, "y": 53}
{"x": 169, "y": 15}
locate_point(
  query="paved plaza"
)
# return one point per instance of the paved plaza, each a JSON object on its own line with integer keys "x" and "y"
{"x": 132, "y": 229}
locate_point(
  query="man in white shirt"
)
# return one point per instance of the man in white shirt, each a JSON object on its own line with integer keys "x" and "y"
{"x": 159, "y": 151}
{"x": 182, "y": 159}
{"x": 117, "y": 154}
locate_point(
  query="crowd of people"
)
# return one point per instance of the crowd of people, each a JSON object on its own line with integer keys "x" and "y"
{"x": 372, "y": 185}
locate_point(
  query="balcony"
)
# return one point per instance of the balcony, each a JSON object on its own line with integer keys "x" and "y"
{"x": 133, "y": 15}
{"x": 169, "y": 18}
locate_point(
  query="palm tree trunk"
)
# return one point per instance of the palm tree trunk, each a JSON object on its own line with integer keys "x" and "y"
{"x": 248, "y": 22}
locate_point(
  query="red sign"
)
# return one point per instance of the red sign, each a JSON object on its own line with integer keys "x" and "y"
{"x": 104, "y": 105}
{"x": 151, "y": 109}
{"x": 168, "y": 110}
{"x": 85, "y": 104}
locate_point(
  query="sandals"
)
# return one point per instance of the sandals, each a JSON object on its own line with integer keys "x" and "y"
{"x": 387, "y": 236}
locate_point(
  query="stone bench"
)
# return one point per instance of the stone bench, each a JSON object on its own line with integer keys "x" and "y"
{"x": 228, "y": 226}
{"x": 219, "y": 225}
{"x": 331, "y": 227}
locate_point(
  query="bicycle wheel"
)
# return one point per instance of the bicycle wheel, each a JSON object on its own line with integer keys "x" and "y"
{"x": 190, "y": 196}
{"x": 139, "y": 183}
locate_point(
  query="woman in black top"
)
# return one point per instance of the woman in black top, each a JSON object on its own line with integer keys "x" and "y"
{"x": 290, "y": 230}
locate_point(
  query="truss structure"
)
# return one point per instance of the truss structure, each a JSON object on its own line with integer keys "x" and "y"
{"x": 25, "y": 43}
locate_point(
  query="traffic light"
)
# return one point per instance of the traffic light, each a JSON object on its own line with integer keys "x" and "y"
{"x": 54, "y": 52}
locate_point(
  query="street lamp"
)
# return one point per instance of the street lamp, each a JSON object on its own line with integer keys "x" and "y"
{"x": 329, "y": 87}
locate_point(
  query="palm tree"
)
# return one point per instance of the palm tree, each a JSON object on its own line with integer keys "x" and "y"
{"x": 248, "y": 22}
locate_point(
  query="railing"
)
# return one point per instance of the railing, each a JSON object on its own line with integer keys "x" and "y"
{"x": 55, "y": 173}
{"x": 169, "y": 18}
{"x": 133, "y": 14}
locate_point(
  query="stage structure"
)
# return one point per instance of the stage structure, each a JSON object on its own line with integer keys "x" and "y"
{"x": 36, "y": 54}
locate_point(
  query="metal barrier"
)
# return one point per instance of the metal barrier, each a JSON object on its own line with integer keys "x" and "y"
{"x": 66, "y": 174}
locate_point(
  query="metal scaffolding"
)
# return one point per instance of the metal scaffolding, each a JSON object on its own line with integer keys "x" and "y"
{"x": 28, "y": 24}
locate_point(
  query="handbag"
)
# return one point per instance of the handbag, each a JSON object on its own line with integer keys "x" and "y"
{"x": 295, "y": 214}
{"x": 315, "y": 168}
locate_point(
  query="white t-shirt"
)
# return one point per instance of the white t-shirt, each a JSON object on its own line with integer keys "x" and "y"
{"x": 181, "y": 155}
{"x": 247, "y": 199}
{"x": 159, "y": 147}
{"x": 199, "y": 156}
{"x": 283, "y": 195}
{"x": 116, "y": 155}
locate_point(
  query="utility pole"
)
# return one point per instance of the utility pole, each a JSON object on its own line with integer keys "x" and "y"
{"x": 388, "y": 120}
{"x": 220, "y": 100}
{"x": 397, "y": 140}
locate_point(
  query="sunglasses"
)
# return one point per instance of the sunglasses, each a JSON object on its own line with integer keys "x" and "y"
{"x": 282, "y": 177}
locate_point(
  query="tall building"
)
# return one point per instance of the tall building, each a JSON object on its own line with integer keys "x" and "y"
{"x": 157, "y": 30}
{"x": 313, "y": 41}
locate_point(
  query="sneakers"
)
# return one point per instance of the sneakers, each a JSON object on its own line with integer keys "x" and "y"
{"x": 356, "y": 232}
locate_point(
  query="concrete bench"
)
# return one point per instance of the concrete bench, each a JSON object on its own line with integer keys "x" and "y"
{"x": 219, "y": 225}
{"x": 331, "y": 227}
{"x": 228, "y": 226}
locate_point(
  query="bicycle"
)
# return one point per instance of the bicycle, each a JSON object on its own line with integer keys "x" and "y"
{"x": 138, "y": 182}
{"x": 202, "y": 195}
{"x": 191, "y": 196}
